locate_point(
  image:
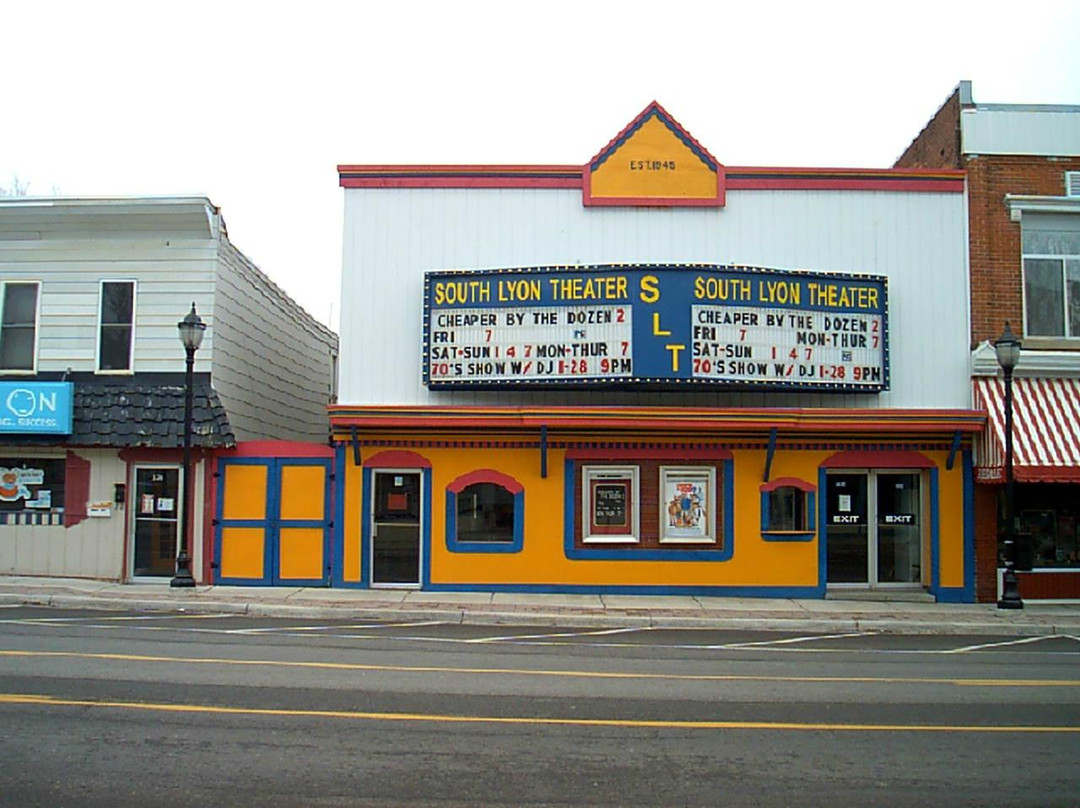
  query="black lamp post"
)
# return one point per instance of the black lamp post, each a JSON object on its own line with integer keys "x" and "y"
{"x": 191, "y": 334}
{"x": 1007, "y": 348}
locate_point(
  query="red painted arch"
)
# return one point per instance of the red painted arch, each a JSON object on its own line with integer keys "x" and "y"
{"x": 485, "y": 476}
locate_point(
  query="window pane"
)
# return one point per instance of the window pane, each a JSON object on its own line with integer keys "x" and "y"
{"x": 20, "y": 304}
{"x": 1044, "y": 297}
{"x": 1072, "y": 281}
{"x": 1051, "y": 243}
{"x": 115, "y": 348}
{"x": 485, "y": 512}
{"x": 787, "y": 509}
{"x": 31, "y": 484}
{"x": 17, "y": 349}
{"x": 18, "y": 326}
{"x": 116, "y": 302}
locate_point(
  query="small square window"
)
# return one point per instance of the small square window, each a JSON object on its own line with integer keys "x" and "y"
{"x": 787, "y": 509}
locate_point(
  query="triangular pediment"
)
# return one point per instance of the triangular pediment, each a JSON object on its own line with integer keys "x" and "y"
{"x": 654, "y": 161}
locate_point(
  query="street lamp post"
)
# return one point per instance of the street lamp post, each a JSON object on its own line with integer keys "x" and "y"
{"x": 191, "y": 335}
{"x": 1007, "y": 348}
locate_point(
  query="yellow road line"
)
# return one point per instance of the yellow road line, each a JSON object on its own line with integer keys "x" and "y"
{"x": 627, "y": 723}
{"x": 684, "y": 677}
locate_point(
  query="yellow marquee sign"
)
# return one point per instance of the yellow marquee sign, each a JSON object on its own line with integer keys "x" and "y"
{"x": 654, "y": 162}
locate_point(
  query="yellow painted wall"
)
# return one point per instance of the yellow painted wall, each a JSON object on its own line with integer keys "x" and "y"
{"x": 756, "y": 562}
{"x": 630, "y": 171}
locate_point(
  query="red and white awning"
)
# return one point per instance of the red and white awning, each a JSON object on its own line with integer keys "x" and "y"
{"x": 1046, "y": 430}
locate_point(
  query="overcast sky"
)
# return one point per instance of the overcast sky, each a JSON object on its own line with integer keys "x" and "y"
{"x": 255, "y": 104}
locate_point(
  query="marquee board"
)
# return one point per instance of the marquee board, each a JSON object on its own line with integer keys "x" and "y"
{"x": 655, "y": 325}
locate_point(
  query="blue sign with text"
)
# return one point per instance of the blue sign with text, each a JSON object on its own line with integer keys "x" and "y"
{"x": 36, "y": 408}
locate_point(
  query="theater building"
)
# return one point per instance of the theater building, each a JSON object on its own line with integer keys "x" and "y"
{"x": 654, "y": 373}
{"x": 1023, "y": 171}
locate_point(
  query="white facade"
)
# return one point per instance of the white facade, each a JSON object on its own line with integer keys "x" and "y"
{"x": 916, "y": 239}
{"x": 1018, "y": 130}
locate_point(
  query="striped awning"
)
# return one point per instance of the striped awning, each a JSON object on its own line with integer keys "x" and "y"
{"x": 1046, "y": 430}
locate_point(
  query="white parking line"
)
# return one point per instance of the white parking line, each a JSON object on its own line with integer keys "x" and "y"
{"x": 790, "y": 640}
{"x": 556, "y": 635}
{"x": 1003, "y": 643}
{"x": 356, "y": 626}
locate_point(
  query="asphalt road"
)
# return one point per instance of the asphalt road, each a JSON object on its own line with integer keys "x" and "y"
{"x": 120, "y": 709}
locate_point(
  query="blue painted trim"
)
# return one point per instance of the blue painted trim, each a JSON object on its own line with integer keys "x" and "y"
{"x": 514, "y": 546}
{"x": 802, "y": 535}
{"x": 953, "y": 594}
{"x": 365, "y": 529}
{"x": 337, "y": 557}
{"x": 953, "y": 450}
{"x": 600, "y": 553}
{"x": 425, "y": 529}
{"x": 272, "y": 523}
{"x": 823, "y": 555}
{"x": 969, "y": 526}
{"x": 269, "y": 537}
{"x": 324, "y": 524}
{"x": 935, "y": 544}
{"x": 543, "y": 451}
{"x": 769, "y": 452}
{"x": 619, "y": 589}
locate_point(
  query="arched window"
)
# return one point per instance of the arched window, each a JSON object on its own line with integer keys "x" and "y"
{"x": 787, "y": 510}
{"x": 485, "y": 513}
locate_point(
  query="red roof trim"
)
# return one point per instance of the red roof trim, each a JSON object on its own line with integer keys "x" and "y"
{"x": 485, "y": 476}
{"x": 397, "y": 459}
{"x": 574, "y": 177}
{"x": 858, "y": 459}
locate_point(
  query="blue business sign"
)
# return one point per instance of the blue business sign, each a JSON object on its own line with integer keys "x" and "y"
{"x": 36, "y": 408}
{"x": 656, "y": 325}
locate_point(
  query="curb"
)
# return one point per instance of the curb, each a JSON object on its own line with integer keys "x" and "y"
{"x": 786, "y": 622}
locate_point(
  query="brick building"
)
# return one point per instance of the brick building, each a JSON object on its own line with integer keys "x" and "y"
{"x": 1023, "y": 191}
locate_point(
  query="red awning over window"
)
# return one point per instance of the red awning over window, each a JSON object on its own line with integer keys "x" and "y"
{"x": 1046, "y": 430}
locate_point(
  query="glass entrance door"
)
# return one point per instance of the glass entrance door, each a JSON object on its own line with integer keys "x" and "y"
{"x": 874, "y": 528}
{"x": 847, "y": 529}
{"x": 395, "y": 529}
{"x": 155, "y": 524}
{"x": 899, "y": 528}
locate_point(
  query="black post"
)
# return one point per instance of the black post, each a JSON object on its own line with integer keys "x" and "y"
{"x": 1010, "y": 589}
{"x": 183, "y": 575}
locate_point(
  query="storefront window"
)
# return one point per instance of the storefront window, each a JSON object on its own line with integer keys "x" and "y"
{"x": 30, "y": 487}
{"x": 1047, "y": 525}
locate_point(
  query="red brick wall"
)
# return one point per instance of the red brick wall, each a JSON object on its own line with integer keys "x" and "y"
{"x": 938, "y": 144}
{"x": 996, "y": 279}
{"x": 986, "y": 503}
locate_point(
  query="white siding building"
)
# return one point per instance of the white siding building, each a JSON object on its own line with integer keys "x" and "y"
{"x": 92, "y": 290}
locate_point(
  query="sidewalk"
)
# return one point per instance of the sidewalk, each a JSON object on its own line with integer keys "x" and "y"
{"x": 528, "y": 609}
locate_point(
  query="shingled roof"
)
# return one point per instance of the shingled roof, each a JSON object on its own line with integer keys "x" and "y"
{"x": 110, "y": 413}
